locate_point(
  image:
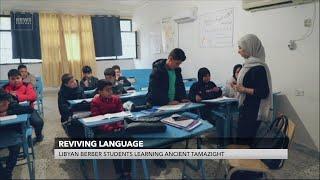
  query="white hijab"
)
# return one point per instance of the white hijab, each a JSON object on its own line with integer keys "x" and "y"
{"x": 253, "y": 46}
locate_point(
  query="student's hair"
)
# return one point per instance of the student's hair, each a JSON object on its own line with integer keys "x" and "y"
{"x": 86, "y": 69}
{"x": 22, "y": 66}
{"x": 109, "y": 72}
{"x": 178, "y": 54}
{"x": 13, "y": 73}
{"x": 237, "y": 66}
{"x": 66, "y": 78}
{"x": 4, "y": 96}
{"x": 116, "y": 67}
{"x": 103, "y": 83}
{"x": 202, "y": 72}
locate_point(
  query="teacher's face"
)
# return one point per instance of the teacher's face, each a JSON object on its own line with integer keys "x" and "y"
{"x": 243, "y": 53}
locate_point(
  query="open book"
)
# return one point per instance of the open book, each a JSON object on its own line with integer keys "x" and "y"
{"x": 107, "y": 116}
{"x": 76, "y": 101}
{"x": 5, "y": 118}
{"x": 172, "y": 107}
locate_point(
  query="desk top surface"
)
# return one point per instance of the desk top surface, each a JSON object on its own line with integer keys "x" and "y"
{"x": 20, "y": 119}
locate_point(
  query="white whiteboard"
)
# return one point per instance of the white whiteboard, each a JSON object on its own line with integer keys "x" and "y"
{"x": 216, "y": 28}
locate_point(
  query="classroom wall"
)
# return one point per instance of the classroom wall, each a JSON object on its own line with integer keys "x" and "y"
{"x": 290, "y": 70}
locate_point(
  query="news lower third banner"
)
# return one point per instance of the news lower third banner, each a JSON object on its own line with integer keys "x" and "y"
{"x": 171, "y": 153}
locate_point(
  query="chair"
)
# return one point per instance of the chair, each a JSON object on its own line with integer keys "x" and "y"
{"x": 251, "y": 165}
{"x": 39, "y": 89}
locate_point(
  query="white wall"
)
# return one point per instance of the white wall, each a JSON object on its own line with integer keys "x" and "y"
{"x": 36, "y": 69}
{"x": 290, "y": 70}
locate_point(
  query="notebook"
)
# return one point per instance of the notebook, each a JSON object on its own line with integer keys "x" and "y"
{"x": 219, "y": 99}
{"x": 177, "y": 123}
{"x": 172, "y": 107}
{"x": 81, "y": 100}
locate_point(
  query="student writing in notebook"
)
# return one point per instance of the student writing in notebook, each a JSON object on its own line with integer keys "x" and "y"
{"x": 204, "y": 89}
{"x": 21, "y": 91}
{"x": 10, "y": 107}
{"x": 88, "y": 81}
{"x": 166, "y": 84}
{"x": 110, "y": 75}
{"x": 120, "y": 79}
{"x": 105, "y": 102}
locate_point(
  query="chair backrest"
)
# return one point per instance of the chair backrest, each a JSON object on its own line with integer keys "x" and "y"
{"x": 39, "y": 86}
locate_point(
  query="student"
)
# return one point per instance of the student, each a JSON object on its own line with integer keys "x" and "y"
{"x": 110, "y": 75}
{"x": 204, "y": 89}
{"x": 229, "y": 91}
{"x": 103, "y": 103}
{"x": 26, "y": 76}
{"x": 24, "y": 92}
{"x": 16, "y": 87}
{"x": 120, "y": 79}
{"x": 88, "y": 82}
{"x": 9, "y": 107}
{"x": 254, "y": 88}
{"x": 69, "y": 90}
{"x": 166, "y": 85}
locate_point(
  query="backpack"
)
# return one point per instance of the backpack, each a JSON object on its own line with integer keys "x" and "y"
{"x": 275, "y": 137}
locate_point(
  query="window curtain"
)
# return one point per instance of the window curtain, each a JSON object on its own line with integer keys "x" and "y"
{"x": 25, "y": 35}
{"x": 73, "y": 46}
{"x": 107, "y": 36}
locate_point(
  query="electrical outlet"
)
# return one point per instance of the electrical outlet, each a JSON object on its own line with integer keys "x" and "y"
{"x": 299, "y": 92}
{"x": 308, "y": 22}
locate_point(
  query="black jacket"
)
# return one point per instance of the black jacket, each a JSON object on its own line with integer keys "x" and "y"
{"x": 204, "y": 90}
{"x": 65, "y": 94}
{"x": 124, "y": 81}
{"x": 92, "y": 83}
{"x": 159, "y": 84}
{"x": 255, "y": 78}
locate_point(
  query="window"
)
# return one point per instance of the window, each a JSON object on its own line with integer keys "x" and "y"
{"x": 6, "y": 43}
{"x": 128, "y": 40}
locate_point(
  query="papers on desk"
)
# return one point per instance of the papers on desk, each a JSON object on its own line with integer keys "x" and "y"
{"x": 172, "y": 107}
{"x": 81, "y": 114}
{"x": 187, "y": 124}
{"x": 107, "y": 116}
{"x": 77, "y": 101}
{"x": 23, "y": 102}
{"x": 5, "y": 118}
{"x": 219, "y": 99}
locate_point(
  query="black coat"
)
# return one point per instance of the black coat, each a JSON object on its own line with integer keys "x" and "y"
{"x": 204, "y": 90}
{"x": 159, "y": 84}
{"x": 65, "y": 94}
{"x": 124, "y": 81}
{"x": 93, "y": 81}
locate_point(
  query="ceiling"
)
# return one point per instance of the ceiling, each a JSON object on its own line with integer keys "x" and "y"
{"x": 114, "y": 7}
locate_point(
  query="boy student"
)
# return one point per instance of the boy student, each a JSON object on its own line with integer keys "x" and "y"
{"x": 88, "y": 82}
{"x": 166, "y": 85}
{"x": 120, "y": 79}
{"x": 22, "y": 91}
{"x": 204, "y": 88}
{"x": 69, "y": 90}
{"x": 110, "y": 75}
{"x": 9, "y": 107}
{"x": 105, "y": 102}
{"x": 26, "y": 76}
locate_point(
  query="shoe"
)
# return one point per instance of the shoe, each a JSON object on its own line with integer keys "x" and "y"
{"x": 37, "y": 139}
{"x": 160, "y": 163}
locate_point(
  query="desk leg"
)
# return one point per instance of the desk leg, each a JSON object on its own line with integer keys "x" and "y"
{"x": 145, "y": 169}
{"x": 26, "y": 152}
{"x": 90, "y": 134}
{"x": 134, "y": 169}
{"x": 200, "y": 161}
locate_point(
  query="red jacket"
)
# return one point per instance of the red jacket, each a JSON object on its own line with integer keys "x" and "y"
{"x": 24, "y": 92}
{"x": 100, "y": 106}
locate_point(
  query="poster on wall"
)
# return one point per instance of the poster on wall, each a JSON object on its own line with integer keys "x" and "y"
{"x": 216, "y": 28}
{"x": 155, "y": 43}
{"x": 168, "y": 34}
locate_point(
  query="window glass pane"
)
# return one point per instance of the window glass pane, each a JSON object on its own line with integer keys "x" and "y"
{"x": 73, "y": 46}
{"x": 6, "y": 48}
{"x": 125, "y": 25}
{"x": 128, "y": 45}
{"x": 5, "y": 23}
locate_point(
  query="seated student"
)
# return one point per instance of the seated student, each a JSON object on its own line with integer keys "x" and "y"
{"x": 110, "y": 75}
{"x": 229, "y": 90}
{"x": 204, "y": 89}
{"x": 9, "y": 107}
{"x": 26, "y": 76}
{"x": 103, "y": 103}
{"x": 166, "y": 85}
{"x": 120, "y": 79}
{"x": 24, "y": 92}
{"x": 88, "y": 82}
{"x": 69, "y": 90}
